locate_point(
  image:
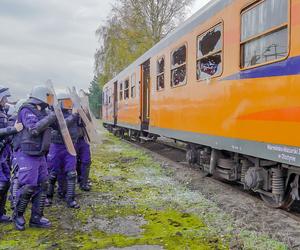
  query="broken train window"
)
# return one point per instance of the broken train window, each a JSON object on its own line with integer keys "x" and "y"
{"x": 133, "y": 89}
{"x": 160, "y": 78}
{"x": 126, "y": 89}
{"x": 209, "y": 53}
{"x": 109, "y": 95}
{"x": 178, "y": 66}
{"x": 121, "y": 91}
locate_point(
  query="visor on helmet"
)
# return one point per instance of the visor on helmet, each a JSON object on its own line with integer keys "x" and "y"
{"x": 50, "y": 99}
{"x": 66, "y": 104}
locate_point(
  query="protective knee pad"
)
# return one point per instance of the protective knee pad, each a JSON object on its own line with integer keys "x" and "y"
{"x": 71, "y": 175}
{"x": 24, "y": 199}
{"x": 52, "y": 177}
{"x": 28, "y": 191}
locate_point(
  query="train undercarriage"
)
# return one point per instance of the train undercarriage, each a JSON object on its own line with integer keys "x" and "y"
{"x": 276, "y": 183}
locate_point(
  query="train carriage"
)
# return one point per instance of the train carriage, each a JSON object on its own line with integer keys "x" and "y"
{"x": 226, "y": 82}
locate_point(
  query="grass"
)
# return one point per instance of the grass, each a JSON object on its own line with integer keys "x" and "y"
{"x": 129, "y": 185}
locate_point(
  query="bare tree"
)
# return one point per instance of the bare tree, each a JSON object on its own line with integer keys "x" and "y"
{"x": 133, "y": 27}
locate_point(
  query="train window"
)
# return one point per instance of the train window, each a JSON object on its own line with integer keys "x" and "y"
{"x": 104, "y": 97}
{"x": 264, "y": 34}
{"x": 107, "y": 96}
{"x": 121, "y": 91}
{"x": 178, "y": 66}
{"x": 133, "y": 88}
{"x": 209, "y": 53}
{"x": 111, "y": 94}
{"x": 160, "y": 78}
{"x": 126, "y": 89}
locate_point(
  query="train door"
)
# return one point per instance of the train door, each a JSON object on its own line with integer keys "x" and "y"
{"x": 145, "y": 95}
{"x": 115, "y": 103}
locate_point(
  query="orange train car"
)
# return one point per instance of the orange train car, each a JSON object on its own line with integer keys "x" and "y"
{"x": 226, "y": 82}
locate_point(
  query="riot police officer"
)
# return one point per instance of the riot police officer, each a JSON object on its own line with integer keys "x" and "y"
{"x": 14, "y": 185}
{"x": 84, "y": 161}
{"x": 5, "y": 152}
{"x": 63, "y": 164}
{"x": 33, "y": 145}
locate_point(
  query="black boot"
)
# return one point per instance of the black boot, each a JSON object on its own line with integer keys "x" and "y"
{"x": 21, "y": 207}
{"x": 37, "y": 218}
{"x": 84, "y": 182}
{"x": 14, "y": 187}
{"x": 51, "y": 189}
{"x": 4, "y": 187}
{"x": 70, "y": 195}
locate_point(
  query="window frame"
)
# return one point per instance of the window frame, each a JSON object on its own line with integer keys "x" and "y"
{"x": 274, "y": 29}
{"x": 104, "y": 97}
{"x": 133, "y": 75}
{"x": 160, "y": 74}
{"x": 109, "y": 96}
{"x": 186, "y": 63}
{"x": 126, "y": 89}
{"x": 220, "y": 22}
{"x": 121, "y": 91}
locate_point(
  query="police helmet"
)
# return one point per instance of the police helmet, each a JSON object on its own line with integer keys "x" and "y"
{"x": 42, "y": 94}
{"x": 4, "y": 92}
{"x": 65, "y": 100}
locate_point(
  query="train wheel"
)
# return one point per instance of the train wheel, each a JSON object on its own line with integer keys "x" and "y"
{"x": 271, "y": 202}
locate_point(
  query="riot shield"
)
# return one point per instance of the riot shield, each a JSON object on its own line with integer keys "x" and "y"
{"x": 86, "y": 107}
{"x": 89, "y": 128}
{"x": 61, "y": 122}
{"x": 84, "y": 101}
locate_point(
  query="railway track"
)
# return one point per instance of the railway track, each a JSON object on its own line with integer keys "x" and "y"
{"x": 172, "y": 153}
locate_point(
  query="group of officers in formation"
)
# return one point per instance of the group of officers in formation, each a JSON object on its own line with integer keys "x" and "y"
{"x": 34, "y": 157}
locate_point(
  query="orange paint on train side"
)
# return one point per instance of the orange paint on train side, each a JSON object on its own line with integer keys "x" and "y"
{"x": 215, "y": 107}
{"x": 291, "y": 114}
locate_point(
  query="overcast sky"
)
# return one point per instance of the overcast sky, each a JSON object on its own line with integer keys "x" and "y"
{"x": 52, "y": 39}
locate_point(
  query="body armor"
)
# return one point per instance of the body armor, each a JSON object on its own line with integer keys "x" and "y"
{"x": 35, "y": 143}
{"x": 72, "y": 123}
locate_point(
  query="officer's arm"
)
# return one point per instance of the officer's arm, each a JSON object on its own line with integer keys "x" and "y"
{"x": 8, "y": 131}
{"x": 71, "y": 119}
{"x": 35, "y": 126}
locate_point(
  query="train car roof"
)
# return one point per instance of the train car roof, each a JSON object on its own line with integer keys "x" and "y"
{"x": 206, "y": 12}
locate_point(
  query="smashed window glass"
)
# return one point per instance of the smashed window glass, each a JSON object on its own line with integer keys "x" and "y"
{"x": 179, "y": 75}
{"x": 209, "y": 55}
{"x": 133, "y": 90}
{"x": 178, "y": 72}
{"x": 126, "y": 89}
{"x": 210, "y": 41}
{"x": 179, "y": 56}
{"x": 264, "y": 34}
{"x": 160, "y": 73}
{"x": 161, "y": 65}
{"x": 121, "y": 91}
{"x": 209, "y": 66}
{"x": 160, "y": 82}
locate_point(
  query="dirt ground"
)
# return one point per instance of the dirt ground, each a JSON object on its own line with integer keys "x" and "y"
{"x": 141, "y": 202}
